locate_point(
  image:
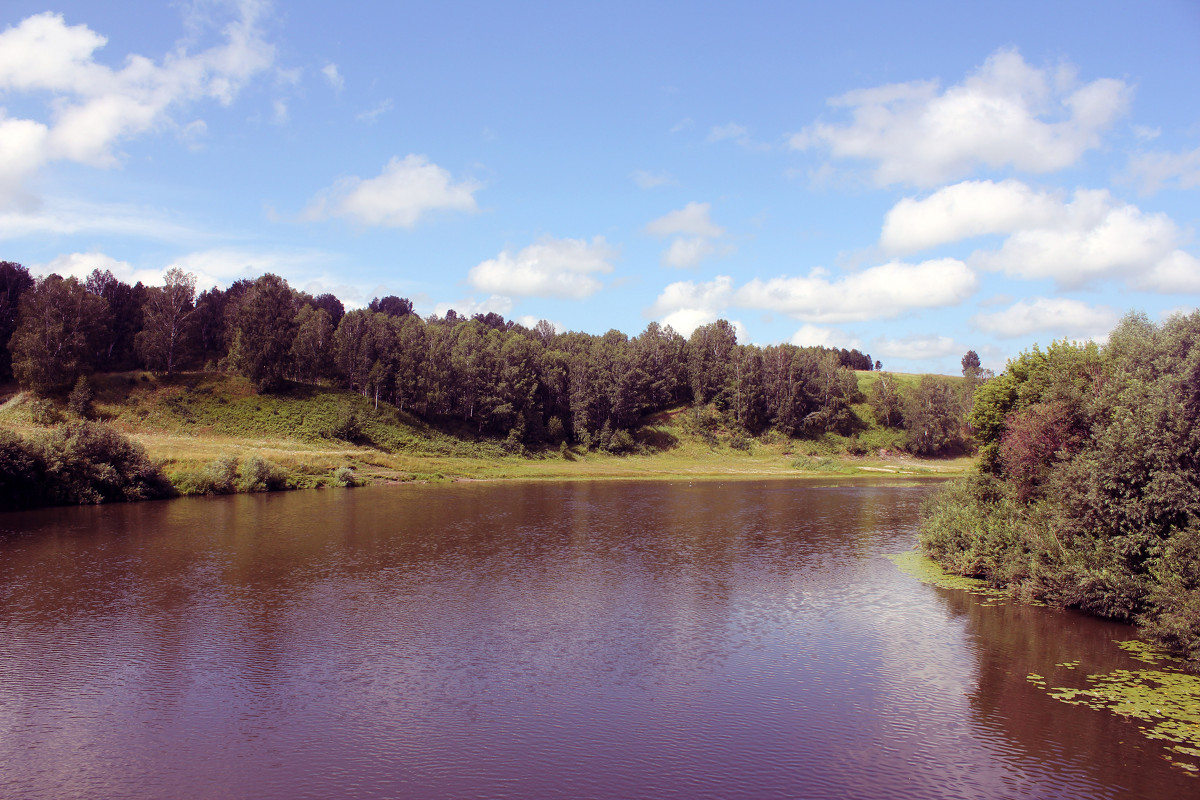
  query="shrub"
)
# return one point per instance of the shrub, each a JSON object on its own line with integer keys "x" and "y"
{"x": 621, "y": 442}
{"x": 261, "y": 475}
{"x": 348, "y": 426}
{"x": 88, "y": 462}
{"x": 344, "y": 476}
{"x": 740, "y": 441}
{"x": 80, "y": 400}
{"x": 220, "y": 476}
{"x": 555, "y": 432}
{"x": 42, "y": 412}
{"x": 22, "y": 473}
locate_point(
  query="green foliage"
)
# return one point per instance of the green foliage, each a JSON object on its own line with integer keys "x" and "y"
{"x": 257, "y": 474}
{"x": 165, "y": 337}
{"x": 88, "y": 462}
{"x": 933, "y": 417}
{"x": 80, "y": 400}
{"x": 1089, "y": 491}
{"x": 344, "y": 476}
{"x": 264, "y": 331}
{"x": 22, "y": 473}
{"x": 58, "y": 325}
{"x": 43, "y": 412}
{"x": 15, "y": 280}
{"x": 886, "y": 401}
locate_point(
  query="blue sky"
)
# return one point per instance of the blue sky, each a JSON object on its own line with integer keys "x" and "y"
{"x": 914, "y": 181}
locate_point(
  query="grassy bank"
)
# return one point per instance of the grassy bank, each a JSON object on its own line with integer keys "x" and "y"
{"x": 202, "y": 428}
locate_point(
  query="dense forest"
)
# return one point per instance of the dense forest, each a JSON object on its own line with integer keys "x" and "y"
{"x": 485, "y": 374}
{"x": 1087, "y": 492}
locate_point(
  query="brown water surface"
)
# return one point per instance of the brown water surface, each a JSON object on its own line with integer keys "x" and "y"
{"x": 577, "y": 640}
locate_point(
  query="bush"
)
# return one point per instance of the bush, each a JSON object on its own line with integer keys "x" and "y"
{"x": 88, "y": 462}
{"x": 344, "y": 476}
{"x": 621, "y": 442}
{"x": 740, "y": 441}
{"x": 42, "y": 412}
{"x": 261, "y": 475}
{"x": 348, "y": 426}
{"x": 22, "y": 473}
{"x": 80, "y": 401}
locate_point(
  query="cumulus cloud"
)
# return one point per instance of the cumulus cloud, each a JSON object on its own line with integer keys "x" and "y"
{"x": 1005, "y": 114}
{"x": 817, "y": 336}
{"x": 407, "y": 189}
{"x": 1053, "y": 316}
{"x": 1093, "y": 237}
{"x": 686, "y": 305}
{"x": 91, "y": 107}
{"x": 693, "y": 230}
{"x": 685, "y": 253}
{"x": 1155, "y": 171}
{"x": 549, "y": 268}
{"x": 964, "y": 210}
{"x": 916, "y": 347}
{"x": 883, "y": 292}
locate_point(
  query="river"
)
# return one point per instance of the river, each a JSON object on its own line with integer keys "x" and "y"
{"x": 535, "y": 640}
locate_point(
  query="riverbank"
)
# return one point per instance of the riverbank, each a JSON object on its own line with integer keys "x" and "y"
{"x": 200, "y": 426}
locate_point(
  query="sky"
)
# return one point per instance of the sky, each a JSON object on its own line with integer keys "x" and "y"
{"x": 914, "y": 180}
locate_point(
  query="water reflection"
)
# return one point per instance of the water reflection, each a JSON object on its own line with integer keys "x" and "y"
{"x": 522, "y": 640}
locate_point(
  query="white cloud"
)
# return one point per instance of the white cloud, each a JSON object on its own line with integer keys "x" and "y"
{"x": 223, "y": 265}
{"x": 685, "y": 253}
{"x": 964, "y": 210}
{"x": 549, "y": 268}
{"x": 530, "y": 322}
{"x": 92, "y": 107}
{"x": 407, "y": 189}
{"x": 916, "y": 347}
{"x": 1177, "y": 272}
{"x": 651, "y": 180}
{"x": 693, "y": 230}
{"x": 686, "y": 305}
{"x": 333, "y": 76}
{"x": 1155, "y": 171}
{"x": 1005, "y": 114}
{"x": 469, "y": 306}
{"x": 1095, "y": 237}
{"x": 691, "y": 220}
{"x": 1176, "y": 311}
{"x": 883, "y": 292}
{"x": 81, "y": 265}
{"x": 1054, "y": 316}
{"x": 70, "y": 217}
{"x": 816, "y": 336}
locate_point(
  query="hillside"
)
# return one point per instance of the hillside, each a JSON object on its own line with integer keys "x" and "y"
{"x": 193, "y": 424}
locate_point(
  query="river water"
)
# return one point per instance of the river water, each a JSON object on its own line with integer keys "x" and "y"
{"x": 534, "y": 640}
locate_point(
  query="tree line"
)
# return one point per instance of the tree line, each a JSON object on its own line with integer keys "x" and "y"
{"x": 1087, "y": 492}
{"x": 528, "y": 385}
